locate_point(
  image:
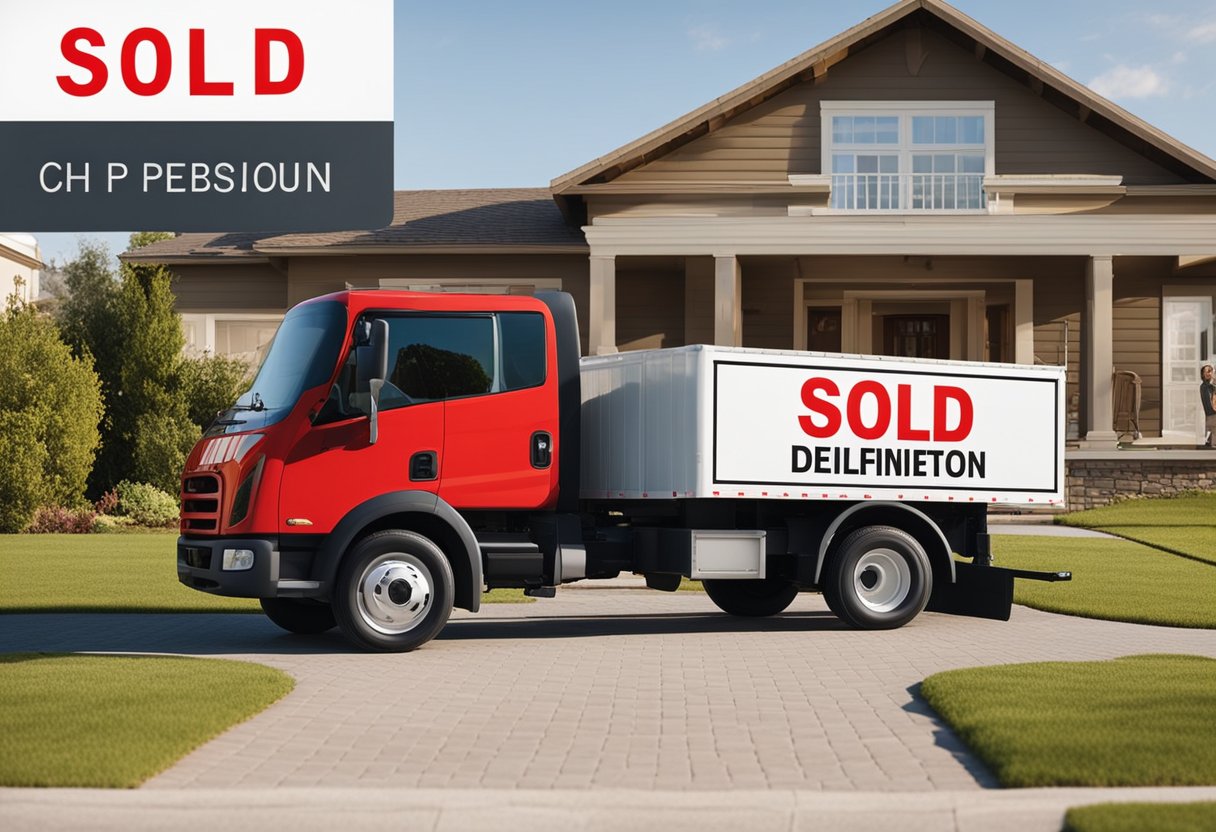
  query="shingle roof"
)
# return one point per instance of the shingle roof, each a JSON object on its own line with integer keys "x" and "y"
{"x": 466, "y": 218}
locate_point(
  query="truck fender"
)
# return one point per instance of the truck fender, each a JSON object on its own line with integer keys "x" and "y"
{"x": 922, "y": 528}
{"x": 438, "y": 520}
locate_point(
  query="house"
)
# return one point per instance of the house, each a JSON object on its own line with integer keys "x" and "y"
{"x": 915, "y": 186}
{"x": 20, "y": 268}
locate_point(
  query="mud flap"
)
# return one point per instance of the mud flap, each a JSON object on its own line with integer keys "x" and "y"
{"x": 984, "y": 591}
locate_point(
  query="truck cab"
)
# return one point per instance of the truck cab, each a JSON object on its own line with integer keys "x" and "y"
{"x": 376, "y": 410}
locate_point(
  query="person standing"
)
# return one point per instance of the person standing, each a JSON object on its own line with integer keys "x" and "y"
{"x": 1207, "y": 397}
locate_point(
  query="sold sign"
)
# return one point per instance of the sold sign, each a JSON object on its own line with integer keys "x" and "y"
{"x": 232, "y": 115}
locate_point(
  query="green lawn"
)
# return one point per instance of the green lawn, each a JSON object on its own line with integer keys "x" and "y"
{"x": 114, "y": 721}
{"x": 1185, "y": 524}
{"x": 114, "y": 573}
{"x": 1134, "y": 721}
{"x": 1138, "y": 817}
{"x": 1112, "y": 579}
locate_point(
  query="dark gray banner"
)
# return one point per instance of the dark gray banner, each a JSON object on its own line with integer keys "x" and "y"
{"x": 187, "y": 176}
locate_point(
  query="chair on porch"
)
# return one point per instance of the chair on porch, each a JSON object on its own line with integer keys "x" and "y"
{"x": 1127, "y": 403}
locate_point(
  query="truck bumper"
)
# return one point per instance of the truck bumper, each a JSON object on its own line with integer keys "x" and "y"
{"x": 200, "y": 565}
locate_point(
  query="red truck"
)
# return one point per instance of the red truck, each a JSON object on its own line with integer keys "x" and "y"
{"x": 398, "y": 453}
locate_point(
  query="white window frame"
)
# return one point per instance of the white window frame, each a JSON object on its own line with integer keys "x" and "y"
{"x": 209, "y": 319}
{"x": 905, "y": 149}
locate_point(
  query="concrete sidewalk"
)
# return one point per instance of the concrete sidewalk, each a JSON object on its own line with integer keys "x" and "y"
{"x": 493, "y": 810}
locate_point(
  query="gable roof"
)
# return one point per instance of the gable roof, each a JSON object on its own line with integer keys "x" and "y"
{"x": 815, "y": 62}
{"x": 487, "y": 219}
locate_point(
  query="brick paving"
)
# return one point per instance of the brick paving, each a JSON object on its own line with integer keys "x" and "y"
{"x": 604, "y": 689}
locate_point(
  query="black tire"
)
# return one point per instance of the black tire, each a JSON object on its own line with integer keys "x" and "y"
{"x": 751, "y": 598}
{"x": 302, "y": 616}
{"x": 878, "y": 578}
{"x": 394, "y": 591}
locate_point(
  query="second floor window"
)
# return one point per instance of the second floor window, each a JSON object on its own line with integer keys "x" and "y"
{"x": 908, "y": 156}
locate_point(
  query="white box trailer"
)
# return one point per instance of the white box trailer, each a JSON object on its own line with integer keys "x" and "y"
{"x": 767, "y": 472}
{"x": 719, "y": 422}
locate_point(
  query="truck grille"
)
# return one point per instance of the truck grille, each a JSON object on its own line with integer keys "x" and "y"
{"x": 200, "y": 503}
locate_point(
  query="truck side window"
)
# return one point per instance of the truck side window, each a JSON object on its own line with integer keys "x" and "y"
{"x": 432, "y": 357}
{"x": 523, "y": 349}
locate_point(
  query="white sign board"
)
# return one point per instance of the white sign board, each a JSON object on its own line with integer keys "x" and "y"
{"x": 854, "y": 428}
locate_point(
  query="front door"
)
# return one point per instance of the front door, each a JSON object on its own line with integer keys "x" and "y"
{"x": 1186, "y": 344}
{"x": 916, "y": 336}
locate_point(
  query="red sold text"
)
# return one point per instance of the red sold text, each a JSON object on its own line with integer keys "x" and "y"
{"x": 196, "y": 60}
{"x": 886, "y": 418}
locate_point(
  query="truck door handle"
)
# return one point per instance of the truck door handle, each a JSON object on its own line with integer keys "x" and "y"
{"x": 424, "y": 466}
{"x": 542, "y": 449}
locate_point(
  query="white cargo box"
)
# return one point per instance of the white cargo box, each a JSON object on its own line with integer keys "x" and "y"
{"x": 726, "y": 422}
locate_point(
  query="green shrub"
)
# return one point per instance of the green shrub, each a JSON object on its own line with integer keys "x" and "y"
{"x": 159, "y": 449}
{"x": 60, "y": 520}
{"x": 146, "y": 504}
{"x": 50, "y": 406}
{"x": 105, "y": 523}
{"x": 211, "y": 384}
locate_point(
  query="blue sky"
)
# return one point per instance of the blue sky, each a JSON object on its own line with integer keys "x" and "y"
{"x": 512, "y": 94}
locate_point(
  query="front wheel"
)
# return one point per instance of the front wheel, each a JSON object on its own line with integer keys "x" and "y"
{"x": 394, "y": 592}
{"x": 299, "y": 615}
{"x": 879, "y": 578}
{"x": 751, "y": 598}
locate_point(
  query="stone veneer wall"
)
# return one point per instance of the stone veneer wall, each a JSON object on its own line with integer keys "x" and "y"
{"x": 1098, "y": 482}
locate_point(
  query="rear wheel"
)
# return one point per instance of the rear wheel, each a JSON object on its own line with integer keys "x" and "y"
{"x": 753, "y": 599}
{"x": 394, "y": 591}
{"x": 879, "y": 578}
{"x": 299, "y": 615}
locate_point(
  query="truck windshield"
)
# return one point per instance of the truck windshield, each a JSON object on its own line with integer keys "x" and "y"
{"x": 301, "y": 356}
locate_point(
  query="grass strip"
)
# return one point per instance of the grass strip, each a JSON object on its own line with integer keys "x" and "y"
{"x": 1190, "y": 509}
{"x": 114, "y": 721}
{"x": 100, "y": 573}
{"x": 116, "y": 573}
{"x": 1116, "y": 580}
{"x": 1137, "y": 817}
{"x": 1183, "y": 525}
{"x": 1134, "y": 721}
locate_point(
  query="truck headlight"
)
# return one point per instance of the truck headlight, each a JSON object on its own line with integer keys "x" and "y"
{"x": 238, "y": 560}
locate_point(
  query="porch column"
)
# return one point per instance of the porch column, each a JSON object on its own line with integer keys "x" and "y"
{"x": 601, "y": 308}
{"x": 1098, "y": 353}
{"x": 1023, "y": 321}
{"x": 728, "y": 301}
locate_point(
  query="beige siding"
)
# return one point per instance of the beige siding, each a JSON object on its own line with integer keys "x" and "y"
{"x": 782, "y": 135}
{"x": 1137, "y": 328}
{"x": 229, "y": 288}
{"x": 649, "y": 307}
{"x": 768, "y": 293}
{"x": 699, "y": 300}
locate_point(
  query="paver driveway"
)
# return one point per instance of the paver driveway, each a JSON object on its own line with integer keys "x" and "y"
{"x": 604, "y": 688}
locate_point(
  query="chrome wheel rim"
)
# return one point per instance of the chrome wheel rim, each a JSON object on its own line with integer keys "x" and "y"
{"x": 395, "y": 593}
{"x": 882, "y": 580}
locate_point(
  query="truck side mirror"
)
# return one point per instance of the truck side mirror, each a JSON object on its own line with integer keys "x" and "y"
{"x": 371, "y": 370}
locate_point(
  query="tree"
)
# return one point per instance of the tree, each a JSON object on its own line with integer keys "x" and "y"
{"x": 50, "y": 407}
{"x": 210, "y": 384}
{"x": 130, "y": 328}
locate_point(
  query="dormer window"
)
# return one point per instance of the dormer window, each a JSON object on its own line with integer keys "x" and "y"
{"x": 908, "y": 156}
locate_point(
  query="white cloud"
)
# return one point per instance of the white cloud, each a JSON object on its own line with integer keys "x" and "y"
{"x": 1203, "y": 33}
{"x": 706, "y": 38}
{"x": 1124, "y": 81}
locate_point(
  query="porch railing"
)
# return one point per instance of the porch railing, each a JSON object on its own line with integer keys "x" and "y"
{"x": 904, "y": 192}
